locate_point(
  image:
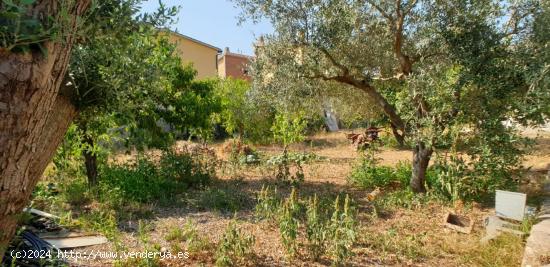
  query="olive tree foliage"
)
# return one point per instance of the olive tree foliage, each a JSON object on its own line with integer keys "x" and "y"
{"x": 442, "y": 72}
{"x": 114, "y": 88}
{"x": 533, "y": 54}
{"x": 244, "y": 112}
{"x": 123, "y": 62}
{"x": 139, "y": 95}
{"x": 114, "y": 72}
{"x": 130, "y": 86}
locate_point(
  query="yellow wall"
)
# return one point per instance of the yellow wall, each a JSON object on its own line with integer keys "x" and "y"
{"x": 221, "y": 67}
{"x": 204, "y": 58}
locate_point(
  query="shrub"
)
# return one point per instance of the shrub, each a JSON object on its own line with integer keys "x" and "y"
{"x": 368, "y": 174}
{"x": 76, "y": 193}
{"x": 146, "y": 181}
{"x": 447, "y": 178}
{"x": 184, "y": 169}
{"x": 404, "y": 198}
{"x": 402, "y": 173}
{"x": 144, "y": 230}
{"x": 244, "y": 112}
{"x": 287, "y": 131}
{"x": 388, "y": 140}
{"x": 175, "y": 234}
{"x": 284, "y": 175}
{"x": 235, "y": 248}
{"x": 103, "y": 221}
{"x": 456, "y": 179}
{"x": 294, "y": 157}
{"x": 326, "y": 235}
{"x": 267, "y": 204}
{"x": 284, "y": 162}
{"x": 334, "y": 234}
{"x": 139, "y": 182}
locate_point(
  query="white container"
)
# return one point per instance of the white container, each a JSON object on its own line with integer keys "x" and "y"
{"x": 510, "y": 205}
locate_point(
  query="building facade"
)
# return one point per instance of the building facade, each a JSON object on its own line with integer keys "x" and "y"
{"x": 233, "y": 65}
{"x": 203, "y": 56}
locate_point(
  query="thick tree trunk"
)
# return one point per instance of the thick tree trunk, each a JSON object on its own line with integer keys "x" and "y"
{"x": 421, "y": 159}
{"x": 33, "y": 119}
{"x": 18, "y": 184}
{"x": 90, "y": 160}
{"x": 56, "y": 126}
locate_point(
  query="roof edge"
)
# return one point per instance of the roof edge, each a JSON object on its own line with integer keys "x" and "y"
{"x": 237, "y": 55}
{"x": 193, "y": 39}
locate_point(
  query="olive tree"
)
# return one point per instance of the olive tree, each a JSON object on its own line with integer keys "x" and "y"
{"x": 432, "y": 67}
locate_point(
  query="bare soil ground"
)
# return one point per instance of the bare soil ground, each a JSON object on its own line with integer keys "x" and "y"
{"x": 412, "y": 236}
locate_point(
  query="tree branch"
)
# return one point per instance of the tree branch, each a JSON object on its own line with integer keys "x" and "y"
{"x": 395, "y": 77}
{"x": 366, "y": 87}
{"x": 333, "y": 61}
{"x": 381, "y": 11}
{"x": 410, "y": 6}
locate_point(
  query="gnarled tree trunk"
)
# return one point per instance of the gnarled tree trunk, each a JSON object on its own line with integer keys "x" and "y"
{"x": 19, "y": 181}
{"x": 33, "y": 116}
{"x": 421, "y": 159}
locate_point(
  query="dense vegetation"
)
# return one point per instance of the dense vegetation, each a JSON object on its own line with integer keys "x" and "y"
{"x": 433, "y": 69}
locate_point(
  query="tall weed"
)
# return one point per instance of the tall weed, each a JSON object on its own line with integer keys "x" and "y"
{"x": 343, "y": 232}
{"x": 235, "y": 248}
{"x": 316, "y": 229}
{"x": 289, "y": 223}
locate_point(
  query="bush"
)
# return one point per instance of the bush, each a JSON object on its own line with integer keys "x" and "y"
{"x": 244, "y": 112}
{"x": 455, "y": 179}
{"x": 404, "y": 198}
{"x": 295, "y": 157}
{"x": 235, "y": 248}
{"x": 267, "y": 204}
{"x": 451, "y": 178}
{"x": 285, "y": 161}
{"x": 175, "y": 234}
{"x": 286, "y": 131}
{"x": 146, "y": 181}
{"x": 76, "y": 193}
{"x": 368, "y": 174}
{"x": 138, "y": 182}
{"x": 185, "y": 169}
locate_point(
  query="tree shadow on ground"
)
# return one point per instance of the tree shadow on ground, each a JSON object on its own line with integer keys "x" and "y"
{"x": 238, "y": 197}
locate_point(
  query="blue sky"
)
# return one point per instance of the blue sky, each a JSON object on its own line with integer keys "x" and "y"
{"x": 214, "y": 22}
